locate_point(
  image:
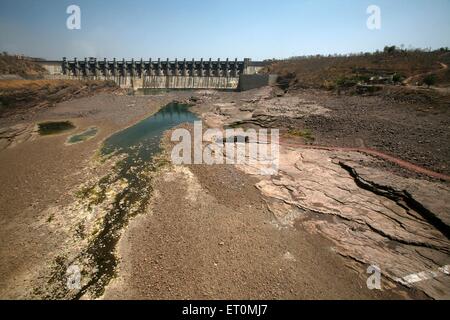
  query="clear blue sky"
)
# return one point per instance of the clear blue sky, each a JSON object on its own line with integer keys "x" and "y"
{"x": 258, "y": 29}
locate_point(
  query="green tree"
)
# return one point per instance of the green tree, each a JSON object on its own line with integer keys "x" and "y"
{"x": 396, "y": 78}
{"x": 430, "y": 80}
{"x": 390, "y": 49}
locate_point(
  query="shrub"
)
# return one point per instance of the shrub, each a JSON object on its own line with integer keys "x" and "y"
{"x": 397, "y": 78}
{"x": 346, "y": 82}
{"x": 430, "y": 80}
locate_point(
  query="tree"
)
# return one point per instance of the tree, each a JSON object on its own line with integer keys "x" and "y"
{"x": 390, "y": 49}
{"x": 396, "y": 78}
{"x": 430, "y": 80}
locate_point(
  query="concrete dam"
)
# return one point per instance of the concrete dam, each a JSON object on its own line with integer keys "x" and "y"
{"x": 150, "y": 74}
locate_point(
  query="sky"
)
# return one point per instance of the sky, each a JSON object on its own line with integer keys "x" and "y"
{"x": 257, "y": 29}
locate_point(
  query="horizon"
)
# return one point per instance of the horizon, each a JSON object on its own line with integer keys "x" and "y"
{"x": 346, "y": 54}
{"x": 232, "y": 29}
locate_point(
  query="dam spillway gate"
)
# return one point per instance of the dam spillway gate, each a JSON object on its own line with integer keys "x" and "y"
{"x": 161, "y": 74}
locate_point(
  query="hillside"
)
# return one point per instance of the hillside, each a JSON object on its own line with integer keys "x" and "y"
{"x": 24, "y": 67}
{"x": 18, "y": 96}
{"x": 392, "y": 64}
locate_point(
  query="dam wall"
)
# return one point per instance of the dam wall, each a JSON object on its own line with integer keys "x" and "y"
{"x": 253, "y": 81}
{"x": 178, "y": 82}
{"x": 222, "y": 75}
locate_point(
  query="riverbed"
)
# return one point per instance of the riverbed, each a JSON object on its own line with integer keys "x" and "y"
{"x": 136, "y": 226}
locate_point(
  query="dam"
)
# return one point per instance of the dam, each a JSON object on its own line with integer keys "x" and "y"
{"x": 165, "y": 74}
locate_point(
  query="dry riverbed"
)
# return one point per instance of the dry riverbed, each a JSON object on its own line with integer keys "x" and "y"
{"x": 42, "y": 180}
{"x": 215, "y": 232}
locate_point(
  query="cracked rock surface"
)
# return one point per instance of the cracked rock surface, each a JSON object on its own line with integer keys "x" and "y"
{"x": 392, "y": 222}
{"x": 13, "y": 135}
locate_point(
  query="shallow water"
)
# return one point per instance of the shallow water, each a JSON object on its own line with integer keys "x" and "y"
{"x": 138, "y": 145}
{"x": 54, "y": 127}
{"x": 141, "y": 141}
{"x": 83, "y": 136}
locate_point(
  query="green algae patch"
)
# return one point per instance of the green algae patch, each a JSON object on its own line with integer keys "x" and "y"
{"x": 83, "y": 136}
{"x": 305, "y": 134}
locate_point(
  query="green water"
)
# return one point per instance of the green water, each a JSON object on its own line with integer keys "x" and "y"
{"x": 141, "y": 141}
{"x": 54, "y": 127}
{"x": 85, "y": 135}
{"x": 138, "y": 145}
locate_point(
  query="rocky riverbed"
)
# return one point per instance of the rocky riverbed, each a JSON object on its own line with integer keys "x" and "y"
{"x": 225, "y": 231}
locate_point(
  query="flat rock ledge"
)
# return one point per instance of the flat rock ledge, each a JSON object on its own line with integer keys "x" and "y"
{"x": 373, "y": 217}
